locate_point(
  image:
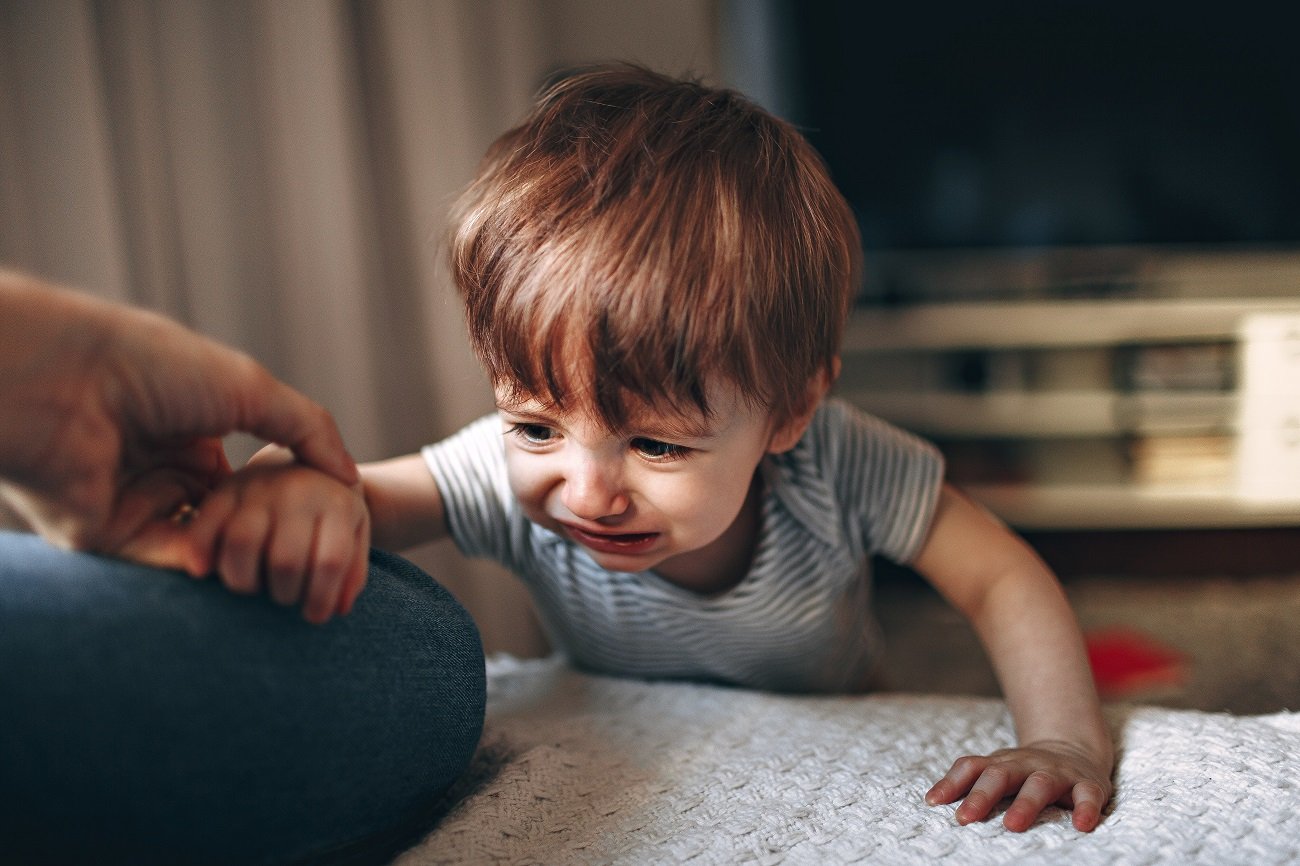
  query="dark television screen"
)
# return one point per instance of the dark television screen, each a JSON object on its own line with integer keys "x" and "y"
{"x": 1055, "y": 122}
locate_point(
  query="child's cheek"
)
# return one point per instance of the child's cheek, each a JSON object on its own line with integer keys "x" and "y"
{"x": 696, "y": 504}
{"x": 528, "y": 484}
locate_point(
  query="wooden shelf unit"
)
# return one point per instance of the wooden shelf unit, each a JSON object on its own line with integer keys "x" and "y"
{"x": 1099, "y": 412}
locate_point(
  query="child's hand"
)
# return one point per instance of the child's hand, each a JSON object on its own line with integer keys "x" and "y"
{"x": 298, "y": 533}
{"x": 1044, "y": 773}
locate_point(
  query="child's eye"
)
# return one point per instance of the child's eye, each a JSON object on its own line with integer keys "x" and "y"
{"x": 534, "y": 434}
{"x": 656, "y": 450}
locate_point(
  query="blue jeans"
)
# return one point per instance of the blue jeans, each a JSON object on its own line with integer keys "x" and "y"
{"x": 148, "y": 717}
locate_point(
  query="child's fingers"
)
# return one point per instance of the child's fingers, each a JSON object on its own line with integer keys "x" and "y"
{"x": 1040, "y": 790}
{"x": 995, "y": 783}
{"x": 239, "y": 559}
{"x": 986, "y": 781}
{"x": 356, "y": 580}
{"x": 333, "y": 555}
{"x": 1089, "y": 799}
{"x": 288, "y": 557}
{"x": 959, "y": 779}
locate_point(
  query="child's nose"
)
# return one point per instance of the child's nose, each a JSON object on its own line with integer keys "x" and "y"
{"x": 593, "y": 489}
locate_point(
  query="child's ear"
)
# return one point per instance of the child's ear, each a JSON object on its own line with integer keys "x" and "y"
{"x": 788, "y": 434}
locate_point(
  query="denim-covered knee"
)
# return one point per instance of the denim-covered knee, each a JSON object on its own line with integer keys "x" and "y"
{"x": 442, "y": 655}
{"x": 153, "y": 718}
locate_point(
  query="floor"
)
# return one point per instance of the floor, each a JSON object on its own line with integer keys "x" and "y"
{"x": 1239, "y": 636}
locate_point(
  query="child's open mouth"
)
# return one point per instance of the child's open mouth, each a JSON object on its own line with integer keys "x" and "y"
{"x": 613, "y": 542}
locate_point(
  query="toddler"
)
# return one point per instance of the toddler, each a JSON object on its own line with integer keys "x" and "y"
{"x": 656, "y": 275}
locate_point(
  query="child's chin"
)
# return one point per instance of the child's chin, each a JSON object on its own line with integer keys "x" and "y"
{"x": 624, "y": 561}
{"x": 642, "y": 559}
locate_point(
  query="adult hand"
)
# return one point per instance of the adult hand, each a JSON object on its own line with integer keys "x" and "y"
{"x": 111, "y": 416}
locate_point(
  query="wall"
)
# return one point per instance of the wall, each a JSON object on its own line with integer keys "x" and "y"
{"x": 275, "y": 173}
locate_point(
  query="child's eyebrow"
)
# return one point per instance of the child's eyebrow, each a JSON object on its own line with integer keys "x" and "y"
{"x": 514, "y": 407}
{"x": 519, "y": 401}
{"x": 673, "y": 428}
{"x": 646, "y": 424}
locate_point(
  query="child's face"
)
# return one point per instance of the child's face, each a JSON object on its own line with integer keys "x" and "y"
{"x": 662, "y": 496}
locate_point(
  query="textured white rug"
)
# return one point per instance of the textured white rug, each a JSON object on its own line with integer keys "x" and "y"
{"x": 583, "y": 769}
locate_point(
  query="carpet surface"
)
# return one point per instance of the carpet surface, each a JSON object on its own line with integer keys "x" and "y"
{"x": 585, "y": 769}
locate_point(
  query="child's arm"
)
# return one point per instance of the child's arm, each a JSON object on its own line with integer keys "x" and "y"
{"x": 1021, "y": 615}
{"x": 406, "y": 508}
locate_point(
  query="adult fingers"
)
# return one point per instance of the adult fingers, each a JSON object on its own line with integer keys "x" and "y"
{"x": 204, "y": 529}
{"x": 161, "y": 543}
{"x": 140, "y": 527}
{"x": 277, "y": 413}
{"x": 170, "y": 381}
{"x": 202, "y": 458}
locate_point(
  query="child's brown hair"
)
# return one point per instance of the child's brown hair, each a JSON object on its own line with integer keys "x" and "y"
{"x": 637, "y": 238}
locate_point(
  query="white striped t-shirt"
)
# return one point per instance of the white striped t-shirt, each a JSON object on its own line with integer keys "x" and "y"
{"x": 800, "y": 620}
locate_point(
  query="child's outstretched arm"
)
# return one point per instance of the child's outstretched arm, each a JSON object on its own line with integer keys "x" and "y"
{"x": 1022, "y": 616}
{"x": 406, "y": 508}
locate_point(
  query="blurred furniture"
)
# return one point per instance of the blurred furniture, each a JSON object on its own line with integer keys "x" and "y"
{"x": 1094, "y": 388}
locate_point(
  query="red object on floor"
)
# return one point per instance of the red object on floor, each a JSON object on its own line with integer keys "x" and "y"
{"x": 1126, "y": 661}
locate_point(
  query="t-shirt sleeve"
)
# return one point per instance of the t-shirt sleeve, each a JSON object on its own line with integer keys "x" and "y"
{"x": 888, "y": 479}
{"x": 469, "y": 468}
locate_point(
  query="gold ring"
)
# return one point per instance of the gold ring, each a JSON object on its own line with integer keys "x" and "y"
{"x": 184, "y": 514}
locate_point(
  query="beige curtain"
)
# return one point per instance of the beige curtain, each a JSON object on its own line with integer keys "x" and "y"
{"x": 276, "y": 174}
